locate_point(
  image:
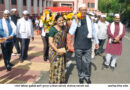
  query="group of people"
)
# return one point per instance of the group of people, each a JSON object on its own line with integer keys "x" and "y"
{"x": 89, "y": 35}
{"x": 13, "y": 31}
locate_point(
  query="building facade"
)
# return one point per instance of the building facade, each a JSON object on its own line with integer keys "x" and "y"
{"x": 33, "y": 6}
{"x": 92, "y": 5}
{"x": 70, "y": 3}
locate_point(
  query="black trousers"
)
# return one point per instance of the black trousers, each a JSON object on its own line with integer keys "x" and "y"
{"x": 6, "y": 51}
{"x": 24, "y": 48}
{"x": 100, "y": 50}
{"x": 46, "y": 46}
{"x": 16, "y": 44}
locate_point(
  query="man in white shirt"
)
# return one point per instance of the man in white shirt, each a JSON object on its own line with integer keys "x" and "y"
{"x": 102, "y": 34}
{"x": 24, "y": 32}
{"x": 93, "y": 42}
{"x": 44, "y": 36}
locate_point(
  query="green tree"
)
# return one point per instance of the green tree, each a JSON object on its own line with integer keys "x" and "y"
{"x": 116, "y": 6}
{"x": 125, "y": 9}
{"x": 108, "y": 6}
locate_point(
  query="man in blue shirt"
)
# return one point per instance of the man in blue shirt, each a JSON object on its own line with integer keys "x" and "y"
{"x": 7, "y": 31}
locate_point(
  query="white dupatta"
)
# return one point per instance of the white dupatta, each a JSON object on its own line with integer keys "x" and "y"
{"x": 5, "y": 27}
{"x": 74, "y": 26}
{"x": 112, "y": 29}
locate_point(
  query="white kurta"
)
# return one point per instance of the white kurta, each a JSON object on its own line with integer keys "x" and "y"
{"x": 41, "y": 25}
{"x": 96, "y": 27}
{"x": 24, "y": 28}
{"x": 102, "y": 30}
{"x": 37, "y": 22}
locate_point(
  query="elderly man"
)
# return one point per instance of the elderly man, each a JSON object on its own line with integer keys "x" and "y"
{"x": 14, "y": 18}
{"x": 7, "y": 32}
{"x": 84, "y": 30}
{"x": 102, "y": 34}
{"x": 116, "y": 31}
{"x": 24, "y": 32}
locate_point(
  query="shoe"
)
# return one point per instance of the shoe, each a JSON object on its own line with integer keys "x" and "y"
{"x": 45, "y": 59}
{"x": 11, "y": 64}
{"x": 105, "y": 66}
{"x": 81, "y": 81}
{"x": 88, "y": 81}
{"x": 21, "y": 60}
{"x": 96, "y": 53}
{"x": 116, "y": 65}
{"x": 112, "y": 68}
{"x": 8, "y": 68}
{"x": 100, "y": 54}
{"x": 26, "y": 59}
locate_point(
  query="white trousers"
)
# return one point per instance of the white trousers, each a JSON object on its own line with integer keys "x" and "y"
{"x": 108, "y": 59}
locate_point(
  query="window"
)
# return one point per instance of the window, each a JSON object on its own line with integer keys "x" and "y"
{"x": 24, "y": 2}
{"x": 88, "y": 5}
{"x": 92, "y": 5}
{"x": 1, "y": 1}
{"x": 38, "y": 3}
{"x": 42, "y": 3}
{"x": 13, "y": 2}
{"x": 32, "y": 2}
{"x": 46, "y": 4}
{"x": 68, "y": 5}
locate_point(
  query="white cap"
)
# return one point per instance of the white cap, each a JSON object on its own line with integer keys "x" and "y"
{"x": 82, "y": 5}
{"x": 14, "y": 9}
{"x": 25, "y": 12}
{"x": 92, "y": 18}
{"x": 90, "y": 13}
{"x": 6, "y": 12}
{"x": 117, "y": 15}
{"x": 103, "y": 16}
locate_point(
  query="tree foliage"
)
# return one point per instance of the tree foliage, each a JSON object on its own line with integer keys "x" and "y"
{"x": 115, "y": 6}
{"x": 108, "y": 6}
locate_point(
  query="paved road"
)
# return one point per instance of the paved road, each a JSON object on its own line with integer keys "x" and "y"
{"x": 28, "y": 71}
{"x": 98, "y": 76}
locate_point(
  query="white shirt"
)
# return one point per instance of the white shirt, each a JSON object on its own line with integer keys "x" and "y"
{"x": 43, "y": 31}
{"x": 102, "y": 30}
{"x": 96, "y": 27}
{"x": 24, "y": 28}
{"x": 36, "y": 22}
